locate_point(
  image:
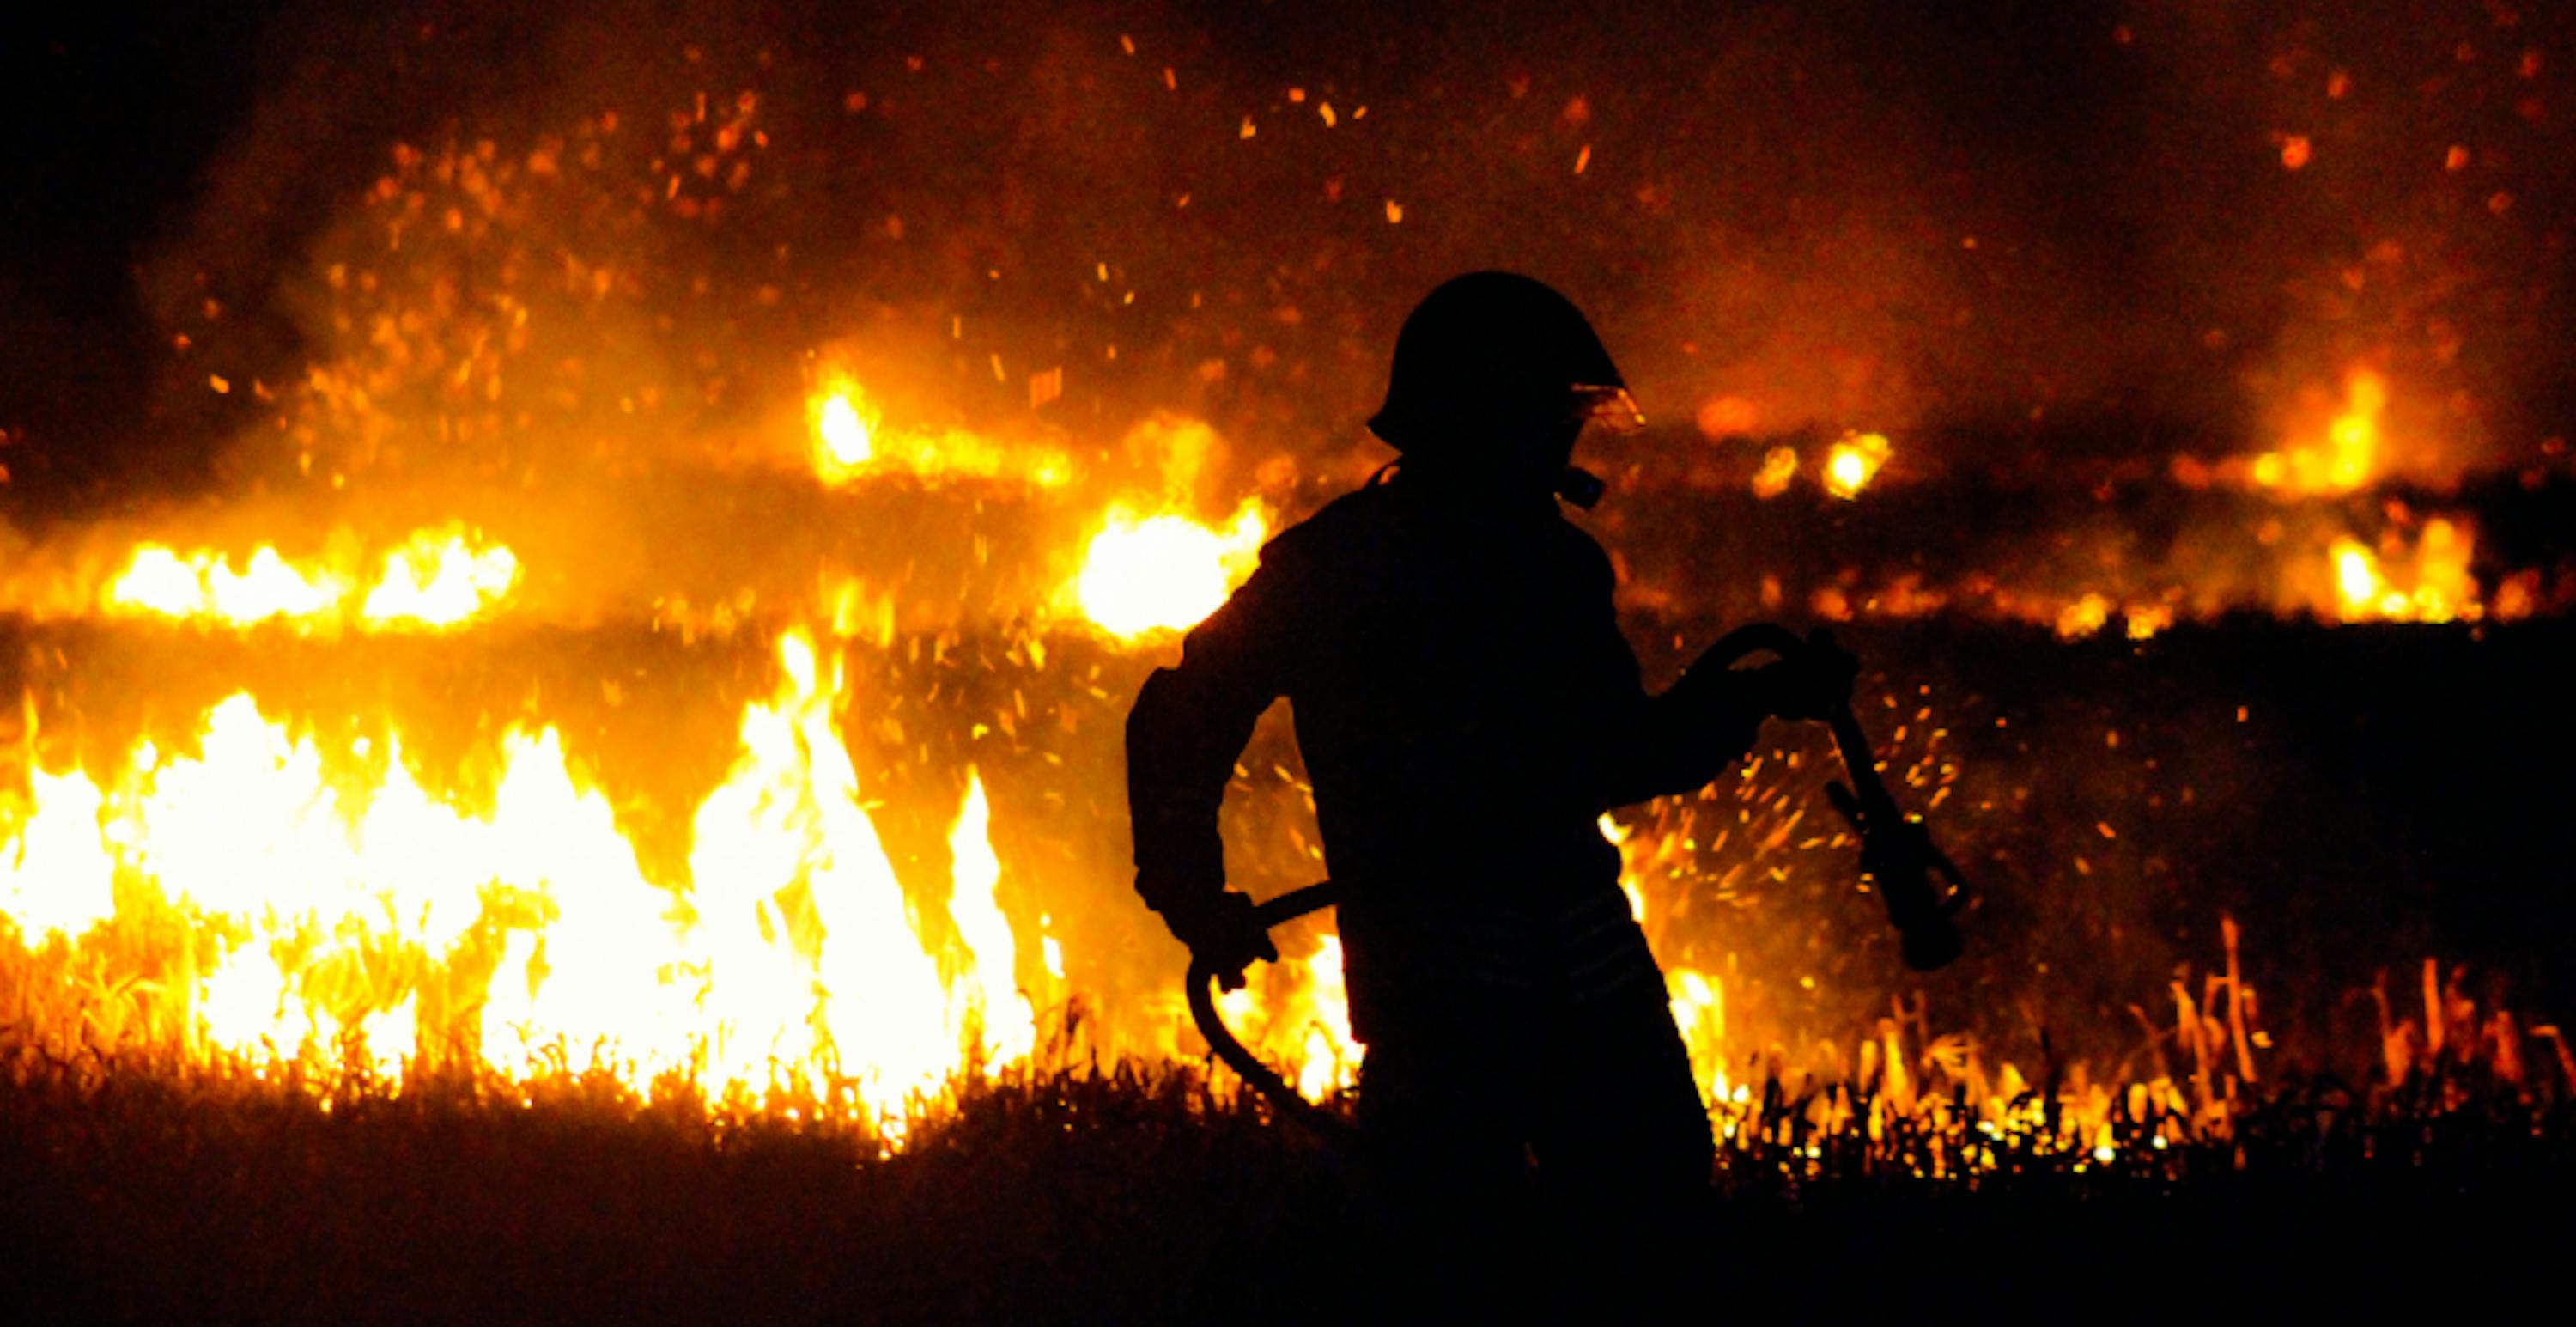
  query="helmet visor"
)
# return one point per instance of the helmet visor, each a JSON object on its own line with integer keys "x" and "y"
{"x": 1608, "y": 405}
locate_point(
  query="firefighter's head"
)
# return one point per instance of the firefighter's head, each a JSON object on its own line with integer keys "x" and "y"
{"x": 1496, "y": 374}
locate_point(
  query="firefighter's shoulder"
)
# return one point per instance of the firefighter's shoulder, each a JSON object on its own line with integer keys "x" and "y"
{"x": 1348, "y": 529}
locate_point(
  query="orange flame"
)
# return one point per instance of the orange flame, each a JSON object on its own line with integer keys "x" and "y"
{"x": 1853, "y": 462}
{"x": 2344, "y": 458}
{"x": 1162, "y": 573}
{"x": 436, "y": 580}
{"x": 303, "y": 882}
{"x": 1779, "y": 466}
{"x": 2436, "y": 585}
{"x": 852, "y": 441}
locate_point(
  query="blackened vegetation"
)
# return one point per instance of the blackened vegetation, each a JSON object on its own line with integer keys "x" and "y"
{"x": 142, "y": 1191}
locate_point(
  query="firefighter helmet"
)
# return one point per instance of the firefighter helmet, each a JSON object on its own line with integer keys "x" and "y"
{"x": 1491, "y": 351}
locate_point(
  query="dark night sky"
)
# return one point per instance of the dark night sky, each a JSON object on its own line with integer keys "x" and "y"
{"x": 106, "y": 118}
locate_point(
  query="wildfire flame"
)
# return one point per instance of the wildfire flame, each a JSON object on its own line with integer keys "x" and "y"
{"x": 841, "y": 437}
{"x": 1164, "y": 572}
{"x": 789, "y": 945}
{"x": 2440, "y": 587}
{"x": 323, "y": 892}
{"x": 1004, "y": 1022}
{"x": 438, "y": 579}
{"x": 852, "y": 441}
{"x": 2344, "y": 458}
{"x": 320, "y": 887}
{"x": 1779, "y": 466}
{"x": 1853, "y": 462}
{"x": 1308, "y": 1016}
{"x": 439, "y": 583}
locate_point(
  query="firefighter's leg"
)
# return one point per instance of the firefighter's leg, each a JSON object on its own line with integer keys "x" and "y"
{"x": 1446, "y": 1129}
{"x": 1620, "y": 1118}
{"x": 1443, "y": 1115}
{"x": 1624, "y": 1156}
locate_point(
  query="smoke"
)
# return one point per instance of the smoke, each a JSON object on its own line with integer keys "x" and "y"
{"x": 2007, "y": 225}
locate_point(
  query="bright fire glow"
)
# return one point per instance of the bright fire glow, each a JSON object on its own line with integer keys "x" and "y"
{"x": 2088, "y": 613}
{"x": 2356, "y": 578}
{"x": 2432, "y": 582}
{"x": 1165, "y": 572}
{"x": 1304, "y": 1017}
{"x": 2344, "y": 457}
{"x": 325, "y": 882}
{"x": 317, "y": 884}
{"x": 1779, "y": 466}
{"x": 852, "y": 441}
{"x": 204, "y": 585}
{"x": 1003, "y": 1022}
{"x": 2083, "y": 616}
{"x": 1853, "y": 462}
{"x": 437, "y": 579}
{"x": 1699, "y": 1010}
{"x": 842, "y": 437}
{"x": 1329, "y": 1057}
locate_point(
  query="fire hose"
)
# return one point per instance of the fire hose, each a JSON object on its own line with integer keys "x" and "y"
{"x": 1897, "y": 855}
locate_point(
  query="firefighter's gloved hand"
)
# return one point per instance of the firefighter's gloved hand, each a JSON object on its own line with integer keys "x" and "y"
{"x": 1223, "y": 932}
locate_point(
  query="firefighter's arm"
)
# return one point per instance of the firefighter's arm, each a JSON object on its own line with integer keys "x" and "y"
{"x": 1709, "y": 719}
{"x": 1188, "y": 726}
{"x": 1677, "y": 742}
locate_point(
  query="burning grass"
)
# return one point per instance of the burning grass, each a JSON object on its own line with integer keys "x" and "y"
{"x": 2083, "y": 1000}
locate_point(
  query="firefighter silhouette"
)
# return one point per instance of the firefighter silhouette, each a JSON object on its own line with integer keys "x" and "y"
{"x": 1467, "y": 710}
